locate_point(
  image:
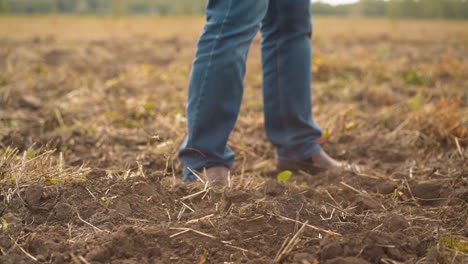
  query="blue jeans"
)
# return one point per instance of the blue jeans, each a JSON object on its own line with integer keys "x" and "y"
{"x": 216, "y": 82}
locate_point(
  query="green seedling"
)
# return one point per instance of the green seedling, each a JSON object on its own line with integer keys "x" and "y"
{"x": 53, "y": 181}
{"x": 148, "y": 106}
{"x": 284, "y": 176}
{"x": 30, "y": 153}
{"x": 457, "y": 244}
{"x": 414, "y": 103}
{"x": 4, "y": 224}
{"x": 413, "y": 78}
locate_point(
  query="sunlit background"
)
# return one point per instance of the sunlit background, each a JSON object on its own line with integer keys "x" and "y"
{"x": 449, "y": 9}
{"x": 336, "y": 2}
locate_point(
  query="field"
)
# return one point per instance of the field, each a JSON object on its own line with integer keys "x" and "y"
{"x": 92, "y": 114}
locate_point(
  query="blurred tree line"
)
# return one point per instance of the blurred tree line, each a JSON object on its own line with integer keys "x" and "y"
{"x": 114, "y": 7}
{"x": 449, "y": 9}
{"x": 452, "y": 9}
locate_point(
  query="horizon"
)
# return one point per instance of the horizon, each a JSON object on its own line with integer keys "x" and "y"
{"x": 335, "y": 2}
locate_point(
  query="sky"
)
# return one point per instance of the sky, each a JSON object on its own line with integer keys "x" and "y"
{"x": 336, "y": 2}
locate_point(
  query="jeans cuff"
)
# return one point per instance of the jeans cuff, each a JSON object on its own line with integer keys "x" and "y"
{"x": 187, "y": 176}
{"x": 298, "y": 153}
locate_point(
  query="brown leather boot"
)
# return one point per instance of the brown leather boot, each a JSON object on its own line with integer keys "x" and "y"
{"x": 216, "y": 176}
{"x": 319, "y": 162}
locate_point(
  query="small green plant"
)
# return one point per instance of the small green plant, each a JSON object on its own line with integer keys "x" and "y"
{"x": 414, "y": 103}
{"x": 413, "y": 78}
{"x": 148, "y": 106}
{"x": 457, "y": 244}
{"x": 31, "y": 153}
{"x": 4, "y": 224}
{"x": 284, "y": 176}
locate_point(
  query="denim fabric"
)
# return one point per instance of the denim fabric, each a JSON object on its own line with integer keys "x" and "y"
{"x": 216, "y": 82}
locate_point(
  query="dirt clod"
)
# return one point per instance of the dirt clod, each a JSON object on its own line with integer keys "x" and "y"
{"x": 31, "y": 101}
{"x": 273, "y": 188}
{"x": 122, "y": 206}
{"x": 347, "y": 260}
{"x": 63, "y": 211}
{"x": 33, "y": 194}
{"x": 365, "y": 202}
{"x": 395, "y": 222}
{"x": 427, "y": 190}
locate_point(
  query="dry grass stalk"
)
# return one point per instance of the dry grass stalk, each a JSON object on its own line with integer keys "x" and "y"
{"x": 409, "y": 190}
{"x": 23, "y": 250}
{"x": 199, "y": 219}
{"x": 188, "y": 207}
{"x": 75, "y": 259}
{"x": 351, "y": 187}
{"x": 197, "y": 175}
{"x": 255, "y": 218}
{"x": 90, "y": 193}
{"x": 328, "y": 218}
{"x": 179, "y": 233}
{"x": 83, "y": 259}
{"x": 206, "y": 193}
{"x": 181, "y": 212}
{"x": 390, "y": 261}
{"x": 91, "y": 225}
{"x": 306, "y": 174}
{"x": 443, "y": 121}
{"x": 291, "y": 244}
{"x": 308, "y": 225}
{"x": 6, "y": 159}
{"x": 333, "y": 199}
{"x": 194, "y": 194}
{"x": 203, "y": 234}
{"x": 457, "y": 143}
{"x": 168, "y": 216}
{"x": 184, "y": 230}
{"x": 203, "y": 258}
{"x": 44, "y": 166}
{"x": 238, "y": 248}
{"x": 140, "y": 169}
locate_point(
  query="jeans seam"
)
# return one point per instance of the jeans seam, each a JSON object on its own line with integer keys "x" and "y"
{"x": 284, "y": 121}
{"x": 203, "y": 90}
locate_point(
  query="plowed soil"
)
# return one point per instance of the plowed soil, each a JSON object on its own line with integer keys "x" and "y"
{"x": 92, "y": 114}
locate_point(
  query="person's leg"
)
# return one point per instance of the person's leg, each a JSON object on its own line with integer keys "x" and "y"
{"x": 215, "y": 89}
{"x": 286, "y": 58}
